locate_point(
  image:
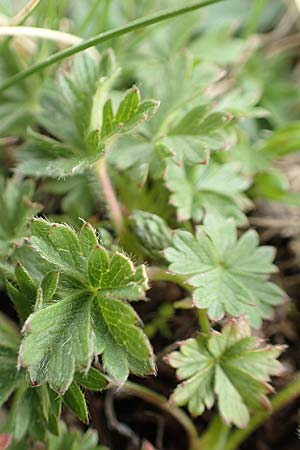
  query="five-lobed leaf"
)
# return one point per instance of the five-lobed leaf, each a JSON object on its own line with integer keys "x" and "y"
{"x": 89, "y": 315}
{"x": 229, "y": 274}
{"x": 232, "y": 366}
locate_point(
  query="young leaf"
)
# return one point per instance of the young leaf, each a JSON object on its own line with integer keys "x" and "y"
{"x": 214, "y": 188}
{"x": 174, "y": 133}
{"x": 90, "y": 316}
{"x": 229, "y": 275}
{"x": 232, "y": 366}
{"x": 69, "y": 113}
{"x": 152, "y": 232}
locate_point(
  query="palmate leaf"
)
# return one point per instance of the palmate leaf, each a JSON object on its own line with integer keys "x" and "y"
{"x": 214, "y": 188}
{"x": 185, "y": 129}
{"x": 16, "y": 208}
{"x": 78, "y": 116}
{"x": 89, "y": 315}
{"x": 232, "y": 366}
{"x": 229, "y": 274}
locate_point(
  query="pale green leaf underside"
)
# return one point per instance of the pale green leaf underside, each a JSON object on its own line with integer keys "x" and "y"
{"x": 229, "y": 274}
{"x": 229, "y": 366}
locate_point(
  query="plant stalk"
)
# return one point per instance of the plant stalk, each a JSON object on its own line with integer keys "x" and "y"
{"x": 110, "y": 196}
{"x": 162, "y": 403}
{"x": 106, "y": 36}
{"x": 24, "y": 12}
{"x": 285, "y": 396}
{"x": 161, "y": 274}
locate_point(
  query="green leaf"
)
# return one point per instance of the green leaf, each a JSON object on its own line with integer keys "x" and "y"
{"x": 9, "y": 375}
{"x": 9, "y": 333}
{"x": 214, "y": 188}
{"x": 232, "y": 366}
{"x": 197, "y": 134}
{"x": 75, "y": 400}
{"x": 34, "y": 412}
{"x": 74, "y": 440}
{"x": 74, "y": 112}
{"x": 185, "y": 128}
{"x": 229, "y": 275}
{"x": 93, "y": 380}
{"x": 49, "y": 285}
{"x": 24, "y": 295}
{"x": 57, "y": 341}
{"x": 89, "y": 316}
{"x": 16, "y": 208}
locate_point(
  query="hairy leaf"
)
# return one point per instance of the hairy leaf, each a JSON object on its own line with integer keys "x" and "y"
{"x": 90, "y": 316}
{"x": 79, "y": 116}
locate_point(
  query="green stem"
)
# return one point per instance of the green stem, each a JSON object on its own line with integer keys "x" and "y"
{"x": 102, "y": 37}
{"x": 204, "y": 322}
{"x": 289, "y": 393}
{"x": 162, "y": 403}
{"x": 161, "y": 274}
{"x": 216, "y": 435}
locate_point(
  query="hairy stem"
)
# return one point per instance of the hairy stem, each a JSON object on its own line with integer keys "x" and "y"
{"x": 108, "y": 35}
{"x": 162, "y": 403}
{"x": 110, "y": 196}
{"x": 285, "y": 396}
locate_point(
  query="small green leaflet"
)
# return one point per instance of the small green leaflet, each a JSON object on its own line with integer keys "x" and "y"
{"x": 89, "y": 316}
{"x": 214, "y": 188}
{"x": 73, "y": 440}
{"x": 229, "y": 274}
{"x": 16, "y": 208}
{"x": 232, "y": 366}
{"x": 79, "y": 116}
